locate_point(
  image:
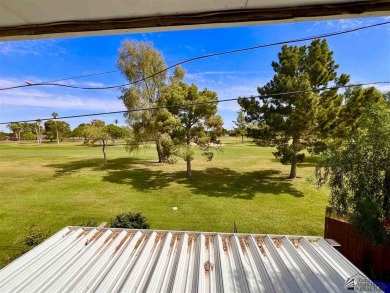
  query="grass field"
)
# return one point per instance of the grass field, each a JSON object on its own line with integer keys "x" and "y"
{"x": 54, "y": 186}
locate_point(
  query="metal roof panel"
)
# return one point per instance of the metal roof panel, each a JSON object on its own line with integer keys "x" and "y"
{"x": 78, "y": 259}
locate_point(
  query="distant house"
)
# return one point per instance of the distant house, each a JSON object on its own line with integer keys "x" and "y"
{"x": 78, "y": 259}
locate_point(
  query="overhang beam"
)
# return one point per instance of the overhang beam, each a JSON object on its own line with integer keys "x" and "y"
{"x": 203, "y": 19}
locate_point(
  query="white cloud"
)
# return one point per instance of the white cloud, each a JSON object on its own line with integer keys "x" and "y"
{"x": 32, "y": 47}
{"x": 53, "y": 98}
{"x": 81, "y": 83}
{"x": 189, "y": 47}
{"x": 190, "y": 75}
{"x": 203, "y": 77}
{"x": 231, "y": 106}
{"x": 383, "y": 88}
{"x": 62, "y": 102}
{"x": 345, "y": 24}
{"x": 234, "y": 92}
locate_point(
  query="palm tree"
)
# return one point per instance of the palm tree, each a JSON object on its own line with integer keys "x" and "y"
{"x": 116, "y": 121}
{"x": 55, "y": 115}
{"x": 38, "y": 130}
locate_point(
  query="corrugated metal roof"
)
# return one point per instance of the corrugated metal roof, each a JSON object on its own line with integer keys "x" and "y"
{"x": 80, "y": 259}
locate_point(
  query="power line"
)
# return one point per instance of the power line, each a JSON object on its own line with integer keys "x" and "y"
{"x": 77, "y": 77}
{"x": 199, "y": 103}
{"x": 83, "y": 76}
{"x": 201, "y": 57}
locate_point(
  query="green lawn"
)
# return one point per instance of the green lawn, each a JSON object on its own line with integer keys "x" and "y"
{"x": 55, "y": 186}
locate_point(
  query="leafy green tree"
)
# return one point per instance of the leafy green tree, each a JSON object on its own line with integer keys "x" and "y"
{"x": 79, "y": 131}
{"x": 57, "y": 130}
{"x": 136, "y": 61}
{"x": 358, "y": 173}
{"x": 190, "y": 125}
{"x": 291, "y": 121}
{"x": 28, "y": 135}
{"x": 116, "y": 132}
{"x": 355, "y": 101}
{"x": 241, "y": 125}
{"x": 97, "y": 131}
{"x": 16, "y": 129}
{"x": 3, "y": 136}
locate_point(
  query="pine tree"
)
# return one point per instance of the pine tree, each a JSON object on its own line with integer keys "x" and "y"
{"x": 188, "y": 126}
{"x": 292, "y": 121}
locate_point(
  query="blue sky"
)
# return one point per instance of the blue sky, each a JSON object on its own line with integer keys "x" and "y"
{"x": 365, "y": 55}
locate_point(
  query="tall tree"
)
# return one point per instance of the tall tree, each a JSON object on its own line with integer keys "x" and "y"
{"x": 241, "y": 125}
{"x": 56, "y": 130}
{"x": 38, "y": 130}
{"x": 190, "y": 125}
{"x": 79, "y": 131}
{"x": 355, "y": 101}
{"x": 359, "y": 174}
{"x": 136, "y": 61}
{"x": 16, "y": 129}
{"x": 289, "y": 121}
{"x": 97, "y": 131}
{"x": 55, "y": 115}
{"x": 116, "y": 132}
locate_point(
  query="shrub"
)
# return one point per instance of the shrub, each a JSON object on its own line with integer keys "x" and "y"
{"x": 129, "y": 220}
{"x": 28, "y": 136}
{"x": 358, "y": 173}
{"x": 3, "y": 136}
{"x": 35, "y": 236}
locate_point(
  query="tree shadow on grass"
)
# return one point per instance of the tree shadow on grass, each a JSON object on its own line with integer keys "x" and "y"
{"x": 309, "y": 161}
{"x": 96, "y": 164}
{"x": 215, "y": 182}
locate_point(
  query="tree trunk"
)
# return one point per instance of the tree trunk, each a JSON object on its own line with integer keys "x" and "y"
{"x": 242, "y": 139}
{"x": 55, "y": 122}
{"x": 158, "y": 148}
{"x": 36, "y": 130}
{"x": 293, "y": 171}
{"x": 294, "y": 163}
{"x": 104, "y": 152}
{"x": 189, "y": 173}
{"x": 188, "y": 159}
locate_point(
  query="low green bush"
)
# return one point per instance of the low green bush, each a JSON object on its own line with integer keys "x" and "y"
{"x": 35, "y": 236}
{"x": 129, "y": 220}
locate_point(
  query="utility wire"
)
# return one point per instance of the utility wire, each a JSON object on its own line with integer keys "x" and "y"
{"x": 200, "y": 103}
{"x": 82, "y": 76}
{"x": 202, "y": 57}
{"x": 74, "y": 77}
